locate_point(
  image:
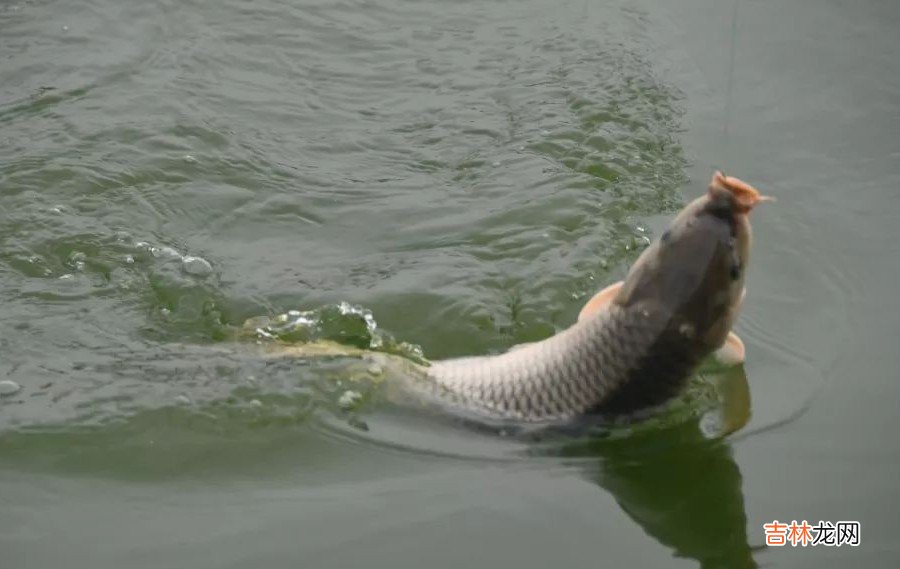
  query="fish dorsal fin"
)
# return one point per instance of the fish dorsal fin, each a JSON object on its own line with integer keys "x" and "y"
{"x": 600, "y": 301}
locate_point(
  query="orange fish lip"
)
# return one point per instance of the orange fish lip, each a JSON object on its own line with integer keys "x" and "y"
{"x": 746, "y": 195}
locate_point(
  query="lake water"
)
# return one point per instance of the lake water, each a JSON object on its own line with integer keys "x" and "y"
{"x": 463, "y": 175}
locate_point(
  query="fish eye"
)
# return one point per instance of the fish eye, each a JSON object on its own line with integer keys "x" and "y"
{"x": 735, "y": 271}
{"x": 667, "y": 234}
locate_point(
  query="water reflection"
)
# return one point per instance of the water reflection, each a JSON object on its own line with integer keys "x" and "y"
{"x": 680, "y": 486}
{"x": 677, "y": 481}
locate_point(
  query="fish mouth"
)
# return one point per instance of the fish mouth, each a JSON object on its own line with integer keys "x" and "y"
{"x": 745, "y": 195}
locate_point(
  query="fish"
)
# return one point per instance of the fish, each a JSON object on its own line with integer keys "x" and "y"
{"x": 636, "y": 342}
{"x": 634, "y": 345}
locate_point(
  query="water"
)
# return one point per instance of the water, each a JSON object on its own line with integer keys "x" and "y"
{"x": 465, "y": 175}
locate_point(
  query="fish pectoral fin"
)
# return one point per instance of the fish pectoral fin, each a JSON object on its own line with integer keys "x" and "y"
{"x": 600, "y": 301}
{"x": 732, "y": 352}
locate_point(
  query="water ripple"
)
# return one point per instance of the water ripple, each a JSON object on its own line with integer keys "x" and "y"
{"x": 468, "y": 174}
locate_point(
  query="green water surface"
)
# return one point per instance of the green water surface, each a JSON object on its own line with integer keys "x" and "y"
{"x": 442, "y": 179}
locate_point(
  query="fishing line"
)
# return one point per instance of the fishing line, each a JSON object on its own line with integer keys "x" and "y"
{"x": 729, "y": 86}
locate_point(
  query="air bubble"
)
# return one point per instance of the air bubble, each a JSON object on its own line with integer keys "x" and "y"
{"x": 164, "y": 252}
{"x": 197, "y": 266}
{"x": 712, "y": 424}
{"x": 9, "y": 387}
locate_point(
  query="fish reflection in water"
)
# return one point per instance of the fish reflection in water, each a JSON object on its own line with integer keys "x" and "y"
{"x": 677, "y": 480}
{"x": 680, "y": 484}
{"x": 674, "y": 476}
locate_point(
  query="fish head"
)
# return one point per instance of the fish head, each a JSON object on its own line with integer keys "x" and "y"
{"x": 694, "y": 274}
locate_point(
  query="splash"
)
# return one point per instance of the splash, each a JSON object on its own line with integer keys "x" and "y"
{"x": 342, "y": 323}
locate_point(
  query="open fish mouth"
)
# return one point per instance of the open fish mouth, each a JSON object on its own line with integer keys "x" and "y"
{"x": 746, "y": 195}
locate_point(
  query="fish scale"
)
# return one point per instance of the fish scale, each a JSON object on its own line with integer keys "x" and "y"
{"x": 558, "y": 378}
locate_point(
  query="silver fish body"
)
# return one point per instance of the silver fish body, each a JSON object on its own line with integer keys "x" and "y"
{"x": 570, "y": 374}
